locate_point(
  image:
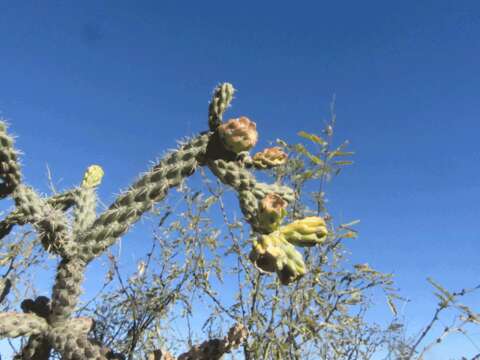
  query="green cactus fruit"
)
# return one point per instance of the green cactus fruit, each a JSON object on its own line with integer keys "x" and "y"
{"x": 309, "y": 231}
{"x": 272, "y": 210}
{"x": 238, "y": 135}
{"x": 272, "y": 253}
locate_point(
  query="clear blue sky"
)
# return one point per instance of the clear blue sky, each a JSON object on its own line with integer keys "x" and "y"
{"x": 116, "y": 82}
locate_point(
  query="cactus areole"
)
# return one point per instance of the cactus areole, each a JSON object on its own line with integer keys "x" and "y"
{"x": 82, "y": 237}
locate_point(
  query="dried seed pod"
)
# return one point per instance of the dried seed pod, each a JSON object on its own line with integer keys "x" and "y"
{"x": 269, "y": 158}
{"x": 238, "y": 134}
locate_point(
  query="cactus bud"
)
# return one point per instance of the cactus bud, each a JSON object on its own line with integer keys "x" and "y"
{"x": 269, "y": 158}
{"x": 238, "y": 134}
{"x": 272, "y": 253}
{"x": 309, "y": 231}
{"x": 271, "y": 212}
{"x": 93, "y": 177}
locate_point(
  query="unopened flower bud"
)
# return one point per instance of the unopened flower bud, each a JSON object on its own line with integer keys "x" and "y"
{"x": 238, "y": 134}
{"x": 93, "y": 177}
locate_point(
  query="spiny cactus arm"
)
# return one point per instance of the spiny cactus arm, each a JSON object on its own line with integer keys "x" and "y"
{"x": 10, "y": 173}
{"x": 152, "y": 187}
{"x": 50, "y": 223}
{"x": 215, "y": 349}
{"x": 86, "y": 200}
{"x": 74, "y": 346}
{"x": 221, "y": 99}
{"x": 60, "y": 201}
{"x": 63, "y": 201}
{"x": 13, "y": 325}
{"x": 37, "y": 348}
{"x": 250, "y": 192}
{"x": 67, "y": 289}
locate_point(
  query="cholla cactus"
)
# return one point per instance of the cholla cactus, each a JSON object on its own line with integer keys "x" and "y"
{"x": 81, "y": 238}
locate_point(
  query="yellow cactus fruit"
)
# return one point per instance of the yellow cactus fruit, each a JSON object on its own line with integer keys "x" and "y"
{"x": 93, "y": 176}
{"x": 309, "y": 231}
{"x": 269, "y": 158}
{"x": 271, "y": 212}
{"x": 238, "y": 134}
{"x": 272, "y": 253}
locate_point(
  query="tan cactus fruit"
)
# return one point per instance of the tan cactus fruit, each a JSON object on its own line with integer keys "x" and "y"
{"x": 269, "y": 158}
{"x": 272, "y": 210}
{"x": 238, "y": 134}
{"x": 309, "y": 231}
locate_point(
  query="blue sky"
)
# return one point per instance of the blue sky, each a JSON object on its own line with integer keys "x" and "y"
{"x": 117, "y": 82}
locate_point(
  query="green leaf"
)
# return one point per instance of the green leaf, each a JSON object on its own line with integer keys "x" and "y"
{"x": 446, "y": 294}
{"x": 312, "y": 137}
{"x": 343, "y": 163}
{"x": 392, "y": 306}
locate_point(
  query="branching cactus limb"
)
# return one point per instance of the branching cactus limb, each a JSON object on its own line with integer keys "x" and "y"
{"x": 152, "y": 187}
{"x": 62, "y": 202}
{"x": 37, "y": 348}
{"x": 221, "y": 99}
{"x": 67, "y": 289}
{"x": 74, "y": 346}
{"x": 86, "y": 200}
{"x": 13, "y": 325}
{"x": 10, "y": 174}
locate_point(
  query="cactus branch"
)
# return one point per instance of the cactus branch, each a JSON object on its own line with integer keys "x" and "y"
{"x": 222, "y": 96}
{"x": 13, "y": 325}
{"x": 10, "y": 174}
{"x": 152, "y": 187}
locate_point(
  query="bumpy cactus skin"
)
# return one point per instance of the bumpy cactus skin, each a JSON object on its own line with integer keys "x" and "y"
{"x": 13, "y": 325}
{"x": 9, "y": 167}
{"x": 80, "y": 238}
{"x": 222, "y": 97}
{"x": 37, "y": 348}
{"x": 74, "y": 346}
{"x": 86, "y": 200}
